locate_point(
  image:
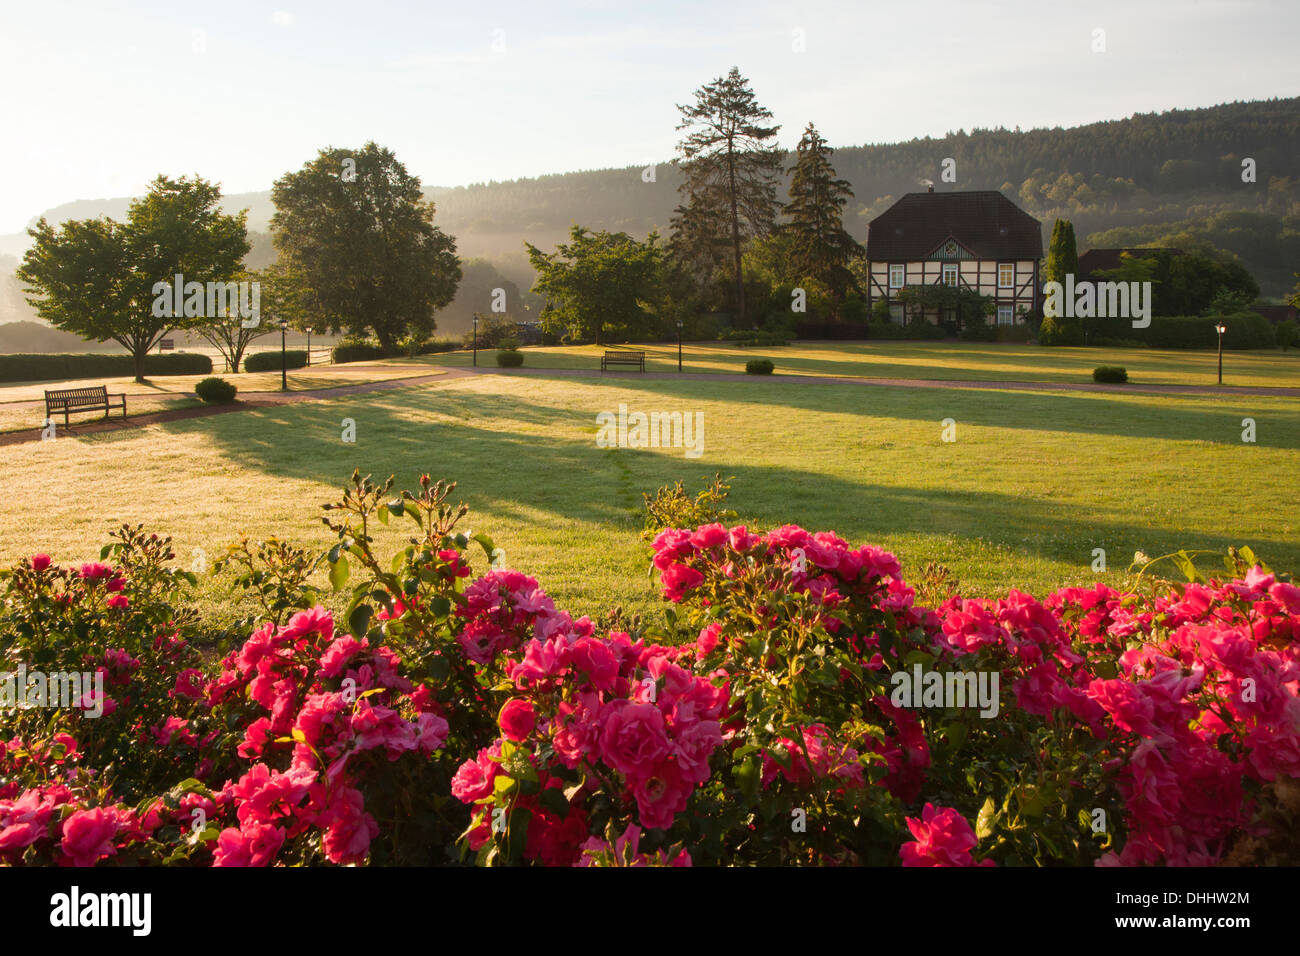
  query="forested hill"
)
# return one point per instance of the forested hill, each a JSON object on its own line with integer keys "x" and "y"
{"x": 1172, "y": 177}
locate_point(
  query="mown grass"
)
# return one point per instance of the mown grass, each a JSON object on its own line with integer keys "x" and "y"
{"x": 161, "y": 393}
{"x": 944, "y": 361}
{"x": 1033, "y": 483}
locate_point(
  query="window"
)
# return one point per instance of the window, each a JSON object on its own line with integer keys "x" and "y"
{"x": 896, "y": 274}
{"x": 1004, "y": 315}
{"x": 950, "y": 274}
{"x": 1006, "y": 275}
{"x": 896, "y": 314}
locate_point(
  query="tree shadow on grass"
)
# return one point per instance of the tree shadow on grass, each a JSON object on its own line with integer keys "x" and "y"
{"x": 527, "y": 459}
{"x": 1128, "y": 414}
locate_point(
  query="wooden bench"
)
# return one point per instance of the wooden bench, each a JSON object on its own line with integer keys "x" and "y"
{"x": 623, "y": 358}
{"x": 92, "y": 398}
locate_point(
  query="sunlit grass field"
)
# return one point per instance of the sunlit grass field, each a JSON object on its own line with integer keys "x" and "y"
{"x": 1033, "y": 483}
{"x": 164, "y": 392}
{"x": 946, "y": 361}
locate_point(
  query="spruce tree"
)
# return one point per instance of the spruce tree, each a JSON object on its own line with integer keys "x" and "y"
{"x": 820, "y": 248}
{"x": 729, "y": 172}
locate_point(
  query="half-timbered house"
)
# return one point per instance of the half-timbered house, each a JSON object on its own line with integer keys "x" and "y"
{"x": 977, "y": 240}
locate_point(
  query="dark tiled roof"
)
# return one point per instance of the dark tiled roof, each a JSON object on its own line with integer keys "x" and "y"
{"x": 1276, "y": 313}
{"x": 987, "y": 223}
{"x": 1095, "y": 259}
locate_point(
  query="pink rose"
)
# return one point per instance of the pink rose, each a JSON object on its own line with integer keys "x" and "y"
{"x": 943, "y": 838}
{"x": 517, "y": 719}
{"x": 88, "y": 836}
{"x": 256, "y": 844}
{"x": 634, "y": 739}
{"x": 40, "y": 562}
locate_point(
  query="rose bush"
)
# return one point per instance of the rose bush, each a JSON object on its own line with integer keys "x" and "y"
{"x": 446, "y": 715}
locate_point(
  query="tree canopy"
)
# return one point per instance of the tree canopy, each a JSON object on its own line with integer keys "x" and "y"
{"x": 599, "y": 284}
{"x": 357, "y": 238}
{"x": 96, "y": 278}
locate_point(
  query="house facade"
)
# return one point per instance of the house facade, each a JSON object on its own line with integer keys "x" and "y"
{"x": 977, "y": 240}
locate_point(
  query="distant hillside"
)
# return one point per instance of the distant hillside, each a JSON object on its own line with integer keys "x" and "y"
{"x": 1150, "y": 175}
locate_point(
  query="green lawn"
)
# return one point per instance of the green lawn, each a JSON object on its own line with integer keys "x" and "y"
{"x": 165, "y": 392}
{"x": 946, "y": 361}
{"x": 1033, "y": 483}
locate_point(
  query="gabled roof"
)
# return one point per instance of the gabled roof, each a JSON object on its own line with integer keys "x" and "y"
{"x": 1100, "y": 259}
{"x": 987, "y": 223}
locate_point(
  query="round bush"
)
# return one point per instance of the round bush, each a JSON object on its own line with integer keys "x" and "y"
{"x": 759, "y": 367}
{"x": 1109, "y": 373}
{"x": 510, "y": 358}
{"x": 269, "y": 361}
{"x": 215, "y": 391}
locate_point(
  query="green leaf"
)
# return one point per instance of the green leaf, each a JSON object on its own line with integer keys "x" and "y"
{"x": 338, "y": 573}
{"x": 984, "y": 821}
{"x": 359, "y": 620}
{"x": 382, "y": 515}
{"x": 552, "y": 798}
{"x": 1185, "y": 565}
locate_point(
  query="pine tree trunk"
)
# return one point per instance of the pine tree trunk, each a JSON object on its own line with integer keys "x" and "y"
{"x": 735, "y": 242}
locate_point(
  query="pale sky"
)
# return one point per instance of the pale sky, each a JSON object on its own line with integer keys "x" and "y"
{"x": 101, "y": 95}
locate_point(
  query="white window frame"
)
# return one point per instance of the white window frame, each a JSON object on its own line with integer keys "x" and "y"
{"x": 1011, "y": 276}
{"x": 950, "y": 269}
{"x": 1009, "y": 312}
{"x": 896, "y": 315}
{"x": 902, "y": 275}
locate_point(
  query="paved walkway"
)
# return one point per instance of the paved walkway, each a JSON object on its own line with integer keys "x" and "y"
{"x": 265, "y": 399}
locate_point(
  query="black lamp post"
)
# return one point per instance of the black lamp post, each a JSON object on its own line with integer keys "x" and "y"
{"x": 309, "y": 345}
{"x": 679, "y": 345}
{"x": 476, "y": 340}
{"x": 284, "y": 358}
{"x": 1220, "y": 328}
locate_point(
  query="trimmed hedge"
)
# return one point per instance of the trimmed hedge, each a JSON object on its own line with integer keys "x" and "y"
{"x": 759, "y": 367}
{"x": 510, "y": 358}
{"x": 269, "y": 361}
{"x": 56, "y": 367}
{"x": 355, "y": 352}
{"x": 1245, "y": 330}
{"x": 215, "y": 391}
{"x": 1110, "y": 374}
{"x": 885, "y": 330}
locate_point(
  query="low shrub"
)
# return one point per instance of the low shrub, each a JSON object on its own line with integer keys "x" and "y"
{"x": 53, "y": 367}
{"x": 1286, "y": 333}
{"x": 445, "y": 716}
{"x": 1057, "y": 331}
{"x": 355, "y": 352}
{"x": 981, "y": 332}
{"x": 829, "y": 329}
{"x": 1015, "y": 333}
{"x": 215, "y": 391}
{"x": 1245, "y": 330}
{"x": 510, "y": 358}
{"x": 885, "y": 330}
{"x": 759, "y": 367}
{"x": 924, "y": 330}
{"x": 1110, "y": 374}
{"x": 269, "y": 361}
